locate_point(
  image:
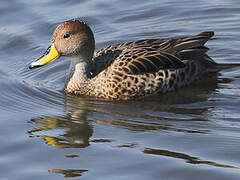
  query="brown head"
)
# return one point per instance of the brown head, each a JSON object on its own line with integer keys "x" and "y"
{"x": 72, "y": 38}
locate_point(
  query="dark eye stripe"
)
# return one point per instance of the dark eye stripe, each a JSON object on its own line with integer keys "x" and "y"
{"x": 66, "y": 35}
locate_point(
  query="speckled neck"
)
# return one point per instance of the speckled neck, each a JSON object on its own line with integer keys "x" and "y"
{"x": 79, "y": 75}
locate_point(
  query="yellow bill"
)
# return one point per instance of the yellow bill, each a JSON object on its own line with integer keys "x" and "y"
{"x": 50, "y": 55}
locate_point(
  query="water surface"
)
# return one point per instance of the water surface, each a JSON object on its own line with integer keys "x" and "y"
{"x": 44, "y": 134}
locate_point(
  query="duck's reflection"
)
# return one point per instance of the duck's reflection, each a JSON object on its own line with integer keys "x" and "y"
{"x": 69, "y": 173}
{"x": 171, "y": 112}
{"x": 187, "y": 158}
{"x": 67, "y": 132}
{"x": 167, "y": 113}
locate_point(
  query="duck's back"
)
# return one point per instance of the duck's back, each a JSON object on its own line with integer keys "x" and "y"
{"x": 144, "y": 67}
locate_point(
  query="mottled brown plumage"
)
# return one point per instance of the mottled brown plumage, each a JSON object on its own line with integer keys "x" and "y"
{"x": 133, "y": 69}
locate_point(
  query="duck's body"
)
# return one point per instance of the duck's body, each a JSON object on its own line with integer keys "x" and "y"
{"x": 129, "y": 70}
{"x": 144, "y": 67}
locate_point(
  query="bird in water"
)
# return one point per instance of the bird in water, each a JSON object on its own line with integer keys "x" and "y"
{"x": 128, "y": 70}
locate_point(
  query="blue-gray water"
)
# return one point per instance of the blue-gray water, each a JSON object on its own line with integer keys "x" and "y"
{"x": 193, "y": 133}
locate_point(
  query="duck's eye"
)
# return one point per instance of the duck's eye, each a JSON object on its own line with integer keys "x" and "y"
{"x": 67, "y": 35}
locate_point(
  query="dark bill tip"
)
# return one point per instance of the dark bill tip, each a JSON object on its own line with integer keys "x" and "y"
{"x": 32, "y": 66}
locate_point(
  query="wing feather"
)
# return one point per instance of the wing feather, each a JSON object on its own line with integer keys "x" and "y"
{"x": 152, "y": 55}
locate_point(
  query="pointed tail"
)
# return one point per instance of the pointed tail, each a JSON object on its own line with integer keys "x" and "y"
{"x": 212, "y": 66}
{"x": 216, "y": 67}
{"x": 226, "y": 66}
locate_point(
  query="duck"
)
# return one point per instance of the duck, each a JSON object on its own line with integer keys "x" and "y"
{"x": 128, "y": 70}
